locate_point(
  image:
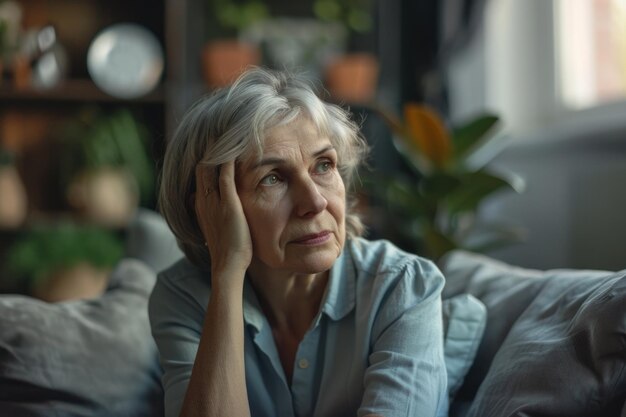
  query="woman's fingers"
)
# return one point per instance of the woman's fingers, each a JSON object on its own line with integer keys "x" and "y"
{"x": 227, "y": 187}
{"x": 221, "y": 217}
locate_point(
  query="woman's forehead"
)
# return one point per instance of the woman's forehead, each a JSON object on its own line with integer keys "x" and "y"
{"x": 293, "y": 140}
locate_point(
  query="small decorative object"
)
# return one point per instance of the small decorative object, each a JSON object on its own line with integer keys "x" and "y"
{"x": 106, "y": 168}
{"x": 125, "y": 60}
{"x": 435, "y": 208}
{"x": 63, "y": 262}
{"x": 13, "y": 204}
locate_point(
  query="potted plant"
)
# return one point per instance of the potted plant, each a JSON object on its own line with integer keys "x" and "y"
{"x": 13, "y": 204}
{"x": 434, "y": 209}
{"x": 62, "y": 262}
{"x": 224, "y": 58}
{"x": 353, "y": 76}
{"x": 106, "y": 169}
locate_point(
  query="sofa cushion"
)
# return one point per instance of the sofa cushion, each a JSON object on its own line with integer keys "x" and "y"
{"x": 464, "y": 323}
{"x": 554, "y": 343}
{"x": 81, "y": 358}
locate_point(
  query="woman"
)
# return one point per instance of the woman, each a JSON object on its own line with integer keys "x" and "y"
{"x": 280, "y": 309}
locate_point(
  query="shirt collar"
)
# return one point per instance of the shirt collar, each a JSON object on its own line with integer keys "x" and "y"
{"x": 340, "y": 295}
{"x": 252, "y": 313}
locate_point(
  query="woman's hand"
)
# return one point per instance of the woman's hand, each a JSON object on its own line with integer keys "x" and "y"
{"x": 223, "y": 223}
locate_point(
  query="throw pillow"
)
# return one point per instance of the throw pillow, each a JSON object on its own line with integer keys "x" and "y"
{"x": 506, "y": 291}
{"x": 81, "y": 358}
{"x": 464, "y": 323}
{"x": 564, "y": 356}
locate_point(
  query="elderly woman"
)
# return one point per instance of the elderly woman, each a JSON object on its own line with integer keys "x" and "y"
{"x": 280, "y": 308}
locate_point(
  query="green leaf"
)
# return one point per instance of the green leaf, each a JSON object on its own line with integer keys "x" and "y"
{"x": 474, "y": 188}
{"x": 438, "y": 185}
{"x": 467, "y": 138}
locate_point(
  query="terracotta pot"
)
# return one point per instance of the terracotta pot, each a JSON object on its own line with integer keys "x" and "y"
{"x": 81, "y": 281}
{"x": 13, "y": 204}
{"x": 224, "y": 60}
{"x": 352, "y": 78}
{"x": 107, "y": 196}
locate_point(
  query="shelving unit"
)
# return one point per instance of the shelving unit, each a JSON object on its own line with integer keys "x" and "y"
{"x": 32, "y": 119}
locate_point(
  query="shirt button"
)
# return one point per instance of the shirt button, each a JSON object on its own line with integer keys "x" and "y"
{"x": 303, "y": 363}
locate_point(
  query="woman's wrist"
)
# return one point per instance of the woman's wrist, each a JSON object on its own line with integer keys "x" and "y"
{"x": 228, "y": 279}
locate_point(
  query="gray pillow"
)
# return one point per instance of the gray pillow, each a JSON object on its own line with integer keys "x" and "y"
{"x": 81, "y": 358}
{"x": 554, "y": 342}
{"x": 464, "y": 319}
{"x": 564, "y": 356}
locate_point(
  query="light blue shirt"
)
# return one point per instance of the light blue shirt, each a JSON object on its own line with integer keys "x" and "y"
{"x": 376, "y": 346}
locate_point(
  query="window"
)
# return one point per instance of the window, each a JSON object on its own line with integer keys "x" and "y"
{"x": 591, "y": 52}
{"x": 544, "y": 63}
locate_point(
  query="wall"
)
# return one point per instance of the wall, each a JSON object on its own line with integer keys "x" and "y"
{"x": 573, "y": 207}
{"x": 574, "y": 162}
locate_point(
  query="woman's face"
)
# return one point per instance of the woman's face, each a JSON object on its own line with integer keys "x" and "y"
{"x": 294, "y": 201}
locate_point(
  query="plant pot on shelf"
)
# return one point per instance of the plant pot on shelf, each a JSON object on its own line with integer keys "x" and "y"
{"x": 224, "y": 60}
{"x": 352, "y": 78}
{"x": 13, "y": 204}
{"x": 108, "y": 196}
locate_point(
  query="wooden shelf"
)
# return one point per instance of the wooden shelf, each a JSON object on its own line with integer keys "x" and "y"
{"x": 72, "y": 91}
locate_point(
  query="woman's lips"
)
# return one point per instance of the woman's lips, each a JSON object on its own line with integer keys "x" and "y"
{"x": 313, "y": 239}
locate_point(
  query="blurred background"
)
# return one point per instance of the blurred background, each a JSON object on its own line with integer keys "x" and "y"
{"x": 91, "y": 90}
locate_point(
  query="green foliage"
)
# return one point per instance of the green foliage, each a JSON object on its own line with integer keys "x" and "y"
{"x": 435, "y": 208}
{"x": 45, "y": 250}
{"x": 95, "y": 140}
{"x": 353, "y": 14}
{"x": 239, "y": 15}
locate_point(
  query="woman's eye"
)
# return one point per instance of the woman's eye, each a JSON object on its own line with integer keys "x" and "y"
{"x": 323, "y": 167}
{"x": 271, "y": 179}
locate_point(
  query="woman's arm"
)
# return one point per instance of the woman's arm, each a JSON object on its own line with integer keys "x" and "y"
{"x": 217, "y": 386}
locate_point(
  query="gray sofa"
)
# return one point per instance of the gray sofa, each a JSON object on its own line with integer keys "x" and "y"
{"x": 519, "y": 342}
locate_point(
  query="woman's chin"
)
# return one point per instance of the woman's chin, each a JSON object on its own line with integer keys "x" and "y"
{"x": 317, "y": 262}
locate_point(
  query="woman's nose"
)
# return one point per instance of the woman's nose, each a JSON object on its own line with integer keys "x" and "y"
{"x": 309, "y": 199}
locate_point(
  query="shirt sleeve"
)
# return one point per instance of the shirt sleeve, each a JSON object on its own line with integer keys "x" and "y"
{"x": 406, "y": 374}
{"x": 176, "y": 320}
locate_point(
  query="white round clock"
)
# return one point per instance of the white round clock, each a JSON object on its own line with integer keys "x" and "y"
{"x": 125, "y": 60}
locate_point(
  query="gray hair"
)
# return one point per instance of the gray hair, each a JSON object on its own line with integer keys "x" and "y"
{"x": 231, "y": 124}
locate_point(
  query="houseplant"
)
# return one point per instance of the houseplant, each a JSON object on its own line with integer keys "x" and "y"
{"x": 62, "y": 262}
{"x": 353, "y": 75}
{"x": 106, "y": 169}
{"x": 224, "y": 57}
{"x": 434, "y": 208}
